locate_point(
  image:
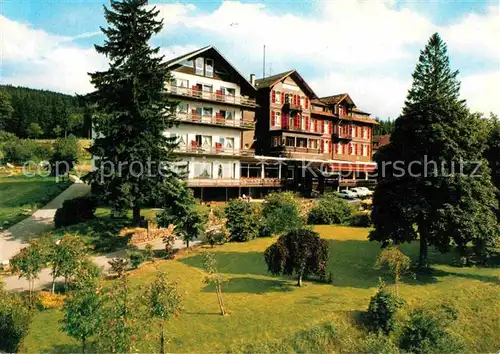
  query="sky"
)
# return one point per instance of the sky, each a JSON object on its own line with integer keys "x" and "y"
{"x": 366, "y": 48}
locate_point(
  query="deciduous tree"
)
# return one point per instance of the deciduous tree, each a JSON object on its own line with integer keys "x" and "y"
{"x": 396, "y": 262}
{"x": 163, "y": 301}
{"x": 300, "y": 251}
{"x": 214, "y": 278}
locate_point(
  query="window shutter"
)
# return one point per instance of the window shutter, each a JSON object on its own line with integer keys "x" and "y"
{"x": 330, "y": 128}
{"x": 369, "y": 133}
{"x": 350, "y": 148}
{"x": 307, "y": 124}
{"x": 316, "y": 125}
{"x": 282, "y": 97}
{"x": 307, "y": 103}
{"x": 284, "y": 120}
{"x": 273, "y": 96}
{"x": 273, "y": 118}
{"x": 294, "y": 100}
{"x": 298, "y": 100}
{"x": 329, "y": 146}
{"x": 356, "y": 152}
{"x": 322, "y": 145}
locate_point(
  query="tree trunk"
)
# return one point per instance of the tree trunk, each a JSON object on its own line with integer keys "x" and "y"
{"x": 162, "y": 339}
{"x": 136, "y": 217}
{"x": 187, "y": 243}
{"x": 219, "y": 299}
{"x": 396, "y": 280}
{"x": 423, "y": 259}
{"x": 299, "y": 279}
{"x": 83, "y": 345}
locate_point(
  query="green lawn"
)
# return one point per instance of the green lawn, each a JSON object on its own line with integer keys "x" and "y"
{"x": 19, "y": 193}
{"x": 266, "y": 309}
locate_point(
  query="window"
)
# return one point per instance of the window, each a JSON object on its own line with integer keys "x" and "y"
{"x": 289, "y": 141}
{"x": 202, "y": 169}
{"x": 313, "y": 144}
{"x": 277, "y": 119}
{"x": 208, "y": 88}
{"x": 229, "y": 115}
{"x": 207, "y": 141}
{"x": 209, "y": 67}
{"x": 182, "y": 107}
{"x": 302, "y": 142}
{"x": 199, "y": 66}
{"x": 278, "y": 97}
{"x": 230, "y": 143}
{"x": 230, "y": 92}
{"x": 182, "y": 140}
{"x": 207, "y": 111}
{"x": 182, "y": 83}
{"x": 276, "y": 141}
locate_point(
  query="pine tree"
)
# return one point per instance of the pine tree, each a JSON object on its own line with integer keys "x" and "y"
{"x": 429, "y": 187}
{"x": 6, "y": 110}
{"x": 134, "y": 158}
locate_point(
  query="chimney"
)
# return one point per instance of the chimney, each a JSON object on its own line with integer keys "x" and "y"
{"x": 252, "y": 79}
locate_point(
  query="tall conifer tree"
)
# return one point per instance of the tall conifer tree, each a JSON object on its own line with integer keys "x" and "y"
{"x": 440, "y": 197}
{"x": 135, "y": 110}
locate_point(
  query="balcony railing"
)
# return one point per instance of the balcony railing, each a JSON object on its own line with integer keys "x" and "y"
{"x": 296, "y": 129}
{"x": 232, "y": 182}
{"x": 292, "y": 107}
{"x": 207, "y": 119}
{"x": 217, "y": 96}
{"x": 214, "y": 150}
{"x": 343, "y": 136}
{"x": 303, "y": 150}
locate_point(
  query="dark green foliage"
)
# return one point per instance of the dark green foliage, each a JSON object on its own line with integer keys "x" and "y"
{"x": 242, "y": 223}
{"x": 426, "y": 332}
{"x": 492, "y": 153}
{"x": 34, "y": 130}
{"x": 377, "y": 343}
{"x": 382, "y": 311}
{"x": 136, "y": 258}
{"x": 361, "y": 220}
{"x": 45, "y": 108}
{"x": 301, "y": 252}
{"x": 15, "y": 319}
{"x": 22, "y": 150}
{"x": 74, "y": 211}
{"x": 439, "y": 202}
{"x": 281, "y": 213}
{"x": 385, "y": 126}
{"x": 181, "y": 209}
{"x": 148, "y": 253}
{"x": 133, "y": 110}
{"x": 65, "y": 156}
{"x": 330, "y": 210}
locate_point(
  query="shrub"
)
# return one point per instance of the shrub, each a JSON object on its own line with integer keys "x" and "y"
{"x": 241, "y": 221}
{"x": 281, "y": 213}
{"x": 136, "y": 258}
{"x": 377, "y": 343}
{"x": 382, "y": 311}
{"x": 330, "y": 210}
{"x": 216, "y": 235}
{"x": 75, "y": 211}
{"x": 14, "y": 321}
{"x": 426, "y": 332}
{"x": 48, "y": 300}
{"x": 65, "y": 156}
{"x": 22, "y": 150}
{"x": 361, "y": 220}
{"x": 148, "y": 253}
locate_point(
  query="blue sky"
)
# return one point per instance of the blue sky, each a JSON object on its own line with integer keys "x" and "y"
{"x": 368, "y": 49}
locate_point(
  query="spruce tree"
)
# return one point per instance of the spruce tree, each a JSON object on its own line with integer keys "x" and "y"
{"x": 429, "y": 187}
{"x": 134, "y": 159}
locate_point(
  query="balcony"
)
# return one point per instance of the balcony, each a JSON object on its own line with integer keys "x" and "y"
{"x": 195, "y": 148}
{"x": 303, "y": 150}
{"x": 233, "y": 182}
{"x": 342, "y": 136}
{"x": 217, "y": 96}
{"x": 215, "y": 120}
{"x": 292, "y": 107}
{"x": 288, "y": 128}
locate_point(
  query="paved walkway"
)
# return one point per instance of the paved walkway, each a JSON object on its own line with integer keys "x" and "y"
{"x": 17, "y": 236}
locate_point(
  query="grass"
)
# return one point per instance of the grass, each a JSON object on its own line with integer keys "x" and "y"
{"x": 270, "y": 314}
{"x": 20, "y": 193}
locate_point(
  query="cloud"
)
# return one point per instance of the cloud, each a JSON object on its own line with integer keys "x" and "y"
{"x": 366, "y": 48}
{"x": 45, "y": 60}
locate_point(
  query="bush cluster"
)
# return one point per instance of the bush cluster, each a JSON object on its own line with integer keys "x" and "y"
{"x": 382, "y": 311}
{"x": 243, "y": 222}
{"x": 361, "y": 220}
{"x": 329, "y": 210}
{"x": 280, "y": 214}
{"x": 74, "y": 211}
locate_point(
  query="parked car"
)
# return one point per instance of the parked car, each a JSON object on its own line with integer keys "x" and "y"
{"x": 347, "y": 194}
{"x": 366, "y": 190}
{"x": 360, "y": 191}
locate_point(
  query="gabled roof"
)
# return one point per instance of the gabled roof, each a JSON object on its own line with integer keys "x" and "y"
{"x": 273, "y": 80}
{"x": 334, "y": 99}
{"x": 197, "y": 52}
{"x": 318, "y": 102}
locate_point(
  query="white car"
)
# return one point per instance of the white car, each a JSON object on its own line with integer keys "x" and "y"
{"x": 368, "y": 192}
{"x": 347, "y": 194}
{"x": 362, "y": 191}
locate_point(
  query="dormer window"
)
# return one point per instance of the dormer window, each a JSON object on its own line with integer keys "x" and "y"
{"x": 199, "y": 66}
{"x": 209, "y": 67}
